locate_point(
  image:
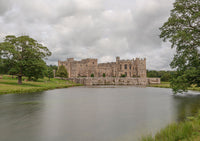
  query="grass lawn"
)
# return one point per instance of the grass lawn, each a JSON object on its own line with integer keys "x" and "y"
{"x": 167, "y": 85}
{"x": 161, "y": 85}
{"x": 9, "y": 85}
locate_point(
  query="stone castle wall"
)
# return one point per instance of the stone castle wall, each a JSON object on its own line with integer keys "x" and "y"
{"x": 86, "y": 67}
{"x": 88, "y": 81}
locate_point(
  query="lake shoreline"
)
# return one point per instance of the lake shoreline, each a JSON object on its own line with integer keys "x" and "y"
{"x": 22, "y": 91}
{"x": 25, "y": 91}
{"x": 167, "y": 85}
{"x": 8, "y": 85}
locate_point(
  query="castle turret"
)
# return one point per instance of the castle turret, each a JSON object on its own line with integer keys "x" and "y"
{"x": 117, "y": 59}
{"x": 59, "y": 63}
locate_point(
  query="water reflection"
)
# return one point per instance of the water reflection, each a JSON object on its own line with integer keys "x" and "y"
{"x": 186, "y": 105}
{"x": 91, "y": 114}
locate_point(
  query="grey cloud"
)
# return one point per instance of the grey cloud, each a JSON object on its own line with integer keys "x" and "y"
{"x": 148, "y": 19}
{"x": 5, "y": 5}
{"x": 100, "y": 29}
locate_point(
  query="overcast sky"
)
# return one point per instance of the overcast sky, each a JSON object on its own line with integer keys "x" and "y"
{"x": 100, "y": 29}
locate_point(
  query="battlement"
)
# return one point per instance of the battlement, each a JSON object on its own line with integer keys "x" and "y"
{"x": 70, "y": 59}
{"x": 89, "y": 59}
{"x": 139, "y": 59}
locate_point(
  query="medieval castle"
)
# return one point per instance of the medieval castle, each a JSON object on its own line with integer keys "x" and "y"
{"x": 90, "y": 67}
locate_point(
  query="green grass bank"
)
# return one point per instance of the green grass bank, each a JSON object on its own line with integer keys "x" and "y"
{"x": 188, "y": 130}
{"x": 167, "y": 85}
{"x": 8, "y": 85}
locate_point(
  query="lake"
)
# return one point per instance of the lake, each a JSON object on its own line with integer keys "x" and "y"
{"x": 103, "y": 113}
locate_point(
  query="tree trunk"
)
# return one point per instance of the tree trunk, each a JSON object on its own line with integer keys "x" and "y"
{"x": 20, "y": 76}
{"x": 19, "y": 80}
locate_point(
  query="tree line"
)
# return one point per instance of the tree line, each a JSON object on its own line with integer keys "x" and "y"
{"x": 165, "y": 76}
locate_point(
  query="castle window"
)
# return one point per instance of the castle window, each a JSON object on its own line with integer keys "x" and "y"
{"x": 120, "y": 67}
{"x": 93, "y": 62}
{"x": 130, "y": 67}
{"x": 125, "y": 66}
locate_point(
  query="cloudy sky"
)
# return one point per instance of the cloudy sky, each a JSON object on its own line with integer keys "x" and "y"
{"x": 100, "y": 29}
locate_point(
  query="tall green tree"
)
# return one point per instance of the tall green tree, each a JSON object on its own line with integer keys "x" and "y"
{"x": 182, "y": 29}
{"x": 23, "y": 53}
{"x": 36, "y": 70}
{"x": 51, "y": 69}
{"x": 54, "y": 67}
{"x": 3, "y": 67}
{"x": 62, "y": 72}
{"x": 50, "y": 73}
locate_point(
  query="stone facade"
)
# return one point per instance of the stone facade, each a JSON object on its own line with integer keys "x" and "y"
{"x": 87, "y": 67}
{"x": 88, "y": 81}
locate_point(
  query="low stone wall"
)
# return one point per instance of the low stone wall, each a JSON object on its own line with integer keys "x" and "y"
{"x": 115, "y": 81}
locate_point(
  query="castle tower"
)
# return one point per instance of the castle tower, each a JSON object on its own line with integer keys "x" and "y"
{"x": 141, "y": 67}
{"x": 117, "y": 59}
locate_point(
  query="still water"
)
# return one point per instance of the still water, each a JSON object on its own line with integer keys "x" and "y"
{"x": 91, "y": 113}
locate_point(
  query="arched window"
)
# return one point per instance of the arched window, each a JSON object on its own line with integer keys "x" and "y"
{"x": 130, "y": 66}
